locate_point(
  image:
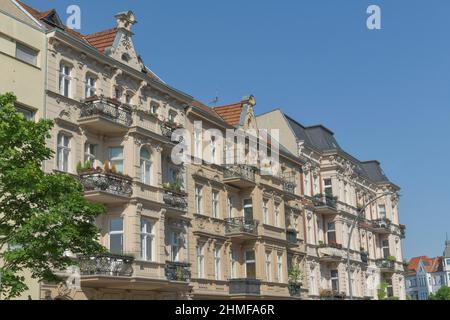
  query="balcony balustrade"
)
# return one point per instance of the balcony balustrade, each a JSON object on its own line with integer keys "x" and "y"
{"x": 381, "y": 225}
{"x": 167, "y": 129}
{"x": 106, "y": 265}
{"x": 244, "y": 287}
{"x": 241, "y": 176}
{"x": 386, "y": 265}
{"x": 106, "y": 187}
{"x": 326, "y": 205}
{"x": 241, "y": 228}
{"x": 105, "y": 116}
{"x": 178, "y": 271}
{"x": 331, "y": 252}
{"x": 177, "y": 200}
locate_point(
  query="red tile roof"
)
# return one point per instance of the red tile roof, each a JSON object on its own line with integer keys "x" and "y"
{"x": 231, "y": 113}
{"x": 431, "y": 264}
{"x": 102, "y": 40}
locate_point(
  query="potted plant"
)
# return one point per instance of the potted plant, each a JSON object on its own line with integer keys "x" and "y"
{"x": 391, "y": 259}
{"x": 294, "y": 281}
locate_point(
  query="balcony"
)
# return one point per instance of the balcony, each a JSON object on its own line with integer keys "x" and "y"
{"x": 241, "y": 228}
{"x": 178, "y": 271}
{"x": 382, "y": 226}
{"x": 244, "y": 287}
{"x": 105, "y": 116}
{"x": 331, "y": 252}
{"x": 402, "y": 231}
{"x": 327, "y": 294}
{"x": 325, "y": 205}
{"x": 240, "y": 176}
{"x": 386, "y": 265}
{"x": 167, "y": 129}
{"x": 175, "y": 200}
{"x": 106, "y": 187}
{"x": 106, "y": 265}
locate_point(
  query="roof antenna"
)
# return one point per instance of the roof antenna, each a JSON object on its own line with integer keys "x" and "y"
{"x": 216, "y": 99}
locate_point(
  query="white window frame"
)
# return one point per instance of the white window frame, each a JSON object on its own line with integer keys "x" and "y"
{"x": 90, "y": 89}
{"x": 146, "y": 167}
{"x": 26, "y": 54}
{"x": 90, "y": 151}
{"x": 116, "y": 232}
{"x": 280, "y": 267}
{"x": 198, "y": 199}
{"x": 268, "y": 265}
{"x": 146, "y": 237}
{"x": 217, "y": 263}
{"x": 306, "y": 179}
{"x": 116, "y": 160}
{"x": 334, "y": 278}
{"x": 277, "y": 215}
{"x": 215, "y": 204}
{"x": 63, "y": 153}
{"x": 230, "y": 206}
{"x": 200, "y": 261}
{"x": 65, "y": 79}
{"x": 265, "y": 211}
{"x": 175, "y": 246}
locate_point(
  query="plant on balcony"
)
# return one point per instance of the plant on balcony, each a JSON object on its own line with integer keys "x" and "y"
{"x": 382, "y": 290}
{"x": 391, "y": 259}
{"x": 173, "y": 186}
{"x": 42, "y": 215}
{"x": 295, "y": 275}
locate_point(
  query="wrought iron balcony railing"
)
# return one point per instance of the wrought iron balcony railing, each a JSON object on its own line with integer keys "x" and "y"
{"x": 239, "y": 171}
{"x": 385, "y": 264}
{"x": 245, "y": 286}
{"x": 175, "y": 199}
{"x": 322, "y": 201}
{"x": 241, "y": 225}
{"x": 178, "y": 271}
{"x": 114, "y": 112}
{"x": 106, "y": 264}
{"x": 107, "y": 182}
{"x": 381, "y": 223}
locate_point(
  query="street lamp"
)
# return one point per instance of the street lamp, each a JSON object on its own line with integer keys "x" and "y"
{"x": 358, "y": 215}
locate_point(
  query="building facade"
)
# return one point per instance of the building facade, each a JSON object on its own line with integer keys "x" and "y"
{"x": 206, "y": 228}
{"x": 425, "y": 276}
{"x": 336, "y": 187}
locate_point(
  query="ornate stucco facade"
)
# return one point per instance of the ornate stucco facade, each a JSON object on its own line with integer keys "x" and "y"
{"x": 203, "y": 230}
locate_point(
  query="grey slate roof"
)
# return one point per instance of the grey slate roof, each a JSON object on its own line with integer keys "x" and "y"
{"x": 322, "y": 139}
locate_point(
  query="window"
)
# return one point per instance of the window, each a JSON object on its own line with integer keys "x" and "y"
{"x": 346, "y": 199}
{"x": 447, "y": 262}
{"x": 64, "y": 79}
{"x": 117, "y": 93}
{"x": 277, "y": 214}
{"x": 316, "y": 184}
{"x": 128, "y": 98}
{"x": 146, "y": 166}
{"x": 389, "y": 289}
{"x": 217, "y": 262}
{"x": 266, "y": 211}
{"x": 306, "y": 184}
{"x": 233, "y": 260}
{"x": 90, "y": 86}
{"x": 198, "y": 199}
{"x": 200, "y": 261}
{"x": 198, "y": 144}
{"x": 27, "y": 113}
{"x": 214, "y": 152}
{"x": 172, "y": 117}
{"x": 250, "y": 264}
{"x": 175, "y": 246}
{"x": 331, "y": 232}
{"x": 280, "y": 267}
{"x": 382, "y": 211}
{"x": 334, "y": 277}
{"x": 63, "y": 152}
{"x": 116, "y": 236}
{"x": 268, "y": 267}
{"x": 89, "y": 154}
{"x": 385, "y": 247}
{"x": 154, "y": 109}
{"x": 147, "y": 240}
{"x": 248, "y": 210}
{"x": 328, "y": 189}
{"x": 116, "y": 158}
{"x": 26, "y": 54}
{"x": 230, "y": 206}
{"x": 215, "y": 204}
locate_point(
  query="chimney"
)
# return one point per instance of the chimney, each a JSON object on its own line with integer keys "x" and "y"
{"x": 125, "y": 20}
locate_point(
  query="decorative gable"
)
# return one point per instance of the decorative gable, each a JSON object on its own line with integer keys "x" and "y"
{"x": 53, "y": 19}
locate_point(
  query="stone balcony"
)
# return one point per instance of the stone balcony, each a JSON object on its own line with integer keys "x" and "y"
{"x": 241, "y": 229}
{"x": 386, "y": 265}
{"x": 382, "y": 226}
{"x": 175, "y": 200}
{"x": 106, "y": 264}
{"x": 240, "y": 176}
{"x": 244, "y": 287}
{"x": 178, "y": 271}
{"x": 331, "y": 252}
{"x": 105, "y": 116}
{"x": 106, "y": 187}
{"x": 325, "y": 205}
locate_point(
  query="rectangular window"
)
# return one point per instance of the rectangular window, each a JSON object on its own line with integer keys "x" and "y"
{"x": 90, "y": 86}
{"x": 64, "y": 80}
{"x": 268, "y": 267}
{"x": 200, "y": 261}
{"x": 116, "y": 158}
{"x": 217, "y": 262}
{"x": 385, "y": 247}
{"x": 328, "y": 189}
{"x": 175, "y": 246}
{"x": 198, "y": 199}
{"x": 248, "y": 210}
{"x": 230, "y": 207}
{"x": 147, "y": 240}
{"x": 331, "y": 232}
{"x": 233, "y": 262}
{"x": 382, "y": 211}
{"x": 198, "y": 144}
{"x": 215, "y": 204}
{"x": 26, "y": 54}
{"x": 250, "y": 264}
{"x": 117, "y": 93}
{"x": 307, "y": 190}
{"x": 280, "y": 267}
{"x": 316, "y": 184}
{"x": 89, "y": 154}
{"x": 277, "y": 215}
{"x": 27, "y": 113}
{"x": 63, "y": 152}
{"x": 334, "y": 277}
{"x": 266, "y": 211}
{"x": 116, "y": 236}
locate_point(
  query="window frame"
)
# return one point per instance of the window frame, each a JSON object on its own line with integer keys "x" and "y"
{"x": 116, "y": 232}
{"x": 147, "y": 235}
{"x": 63, "y": 152}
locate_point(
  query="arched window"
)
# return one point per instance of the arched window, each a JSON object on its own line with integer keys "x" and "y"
{"x": 146, "y": 166}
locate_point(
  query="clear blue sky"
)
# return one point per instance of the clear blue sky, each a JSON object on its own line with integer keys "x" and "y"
{"x": 385, "y": 94}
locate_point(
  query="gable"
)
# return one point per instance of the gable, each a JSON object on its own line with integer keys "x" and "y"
{"x": 122, "y": 49}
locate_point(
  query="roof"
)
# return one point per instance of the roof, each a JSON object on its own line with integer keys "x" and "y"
{"x": 431, "y": 264}
{"x": 231, "y": 113}
{"x": 374, "y": 172}
{"x": 102, "y": 40}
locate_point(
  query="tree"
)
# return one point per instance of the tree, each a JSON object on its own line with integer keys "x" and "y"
{"x": 42, "y": 216}
{"x": 442, "y": 294}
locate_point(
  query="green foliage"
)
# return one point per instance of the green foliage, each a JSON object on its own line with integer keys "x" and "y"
{"x": 442, "y": 294}
{"x": 295, "y": 275}
{"x": 381, "y": 292}
{"x": 45, "y": 214}
{"x": 391, "y": 259}
{"x": 79, "y": 167}
{"x": 88, "y": 164}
